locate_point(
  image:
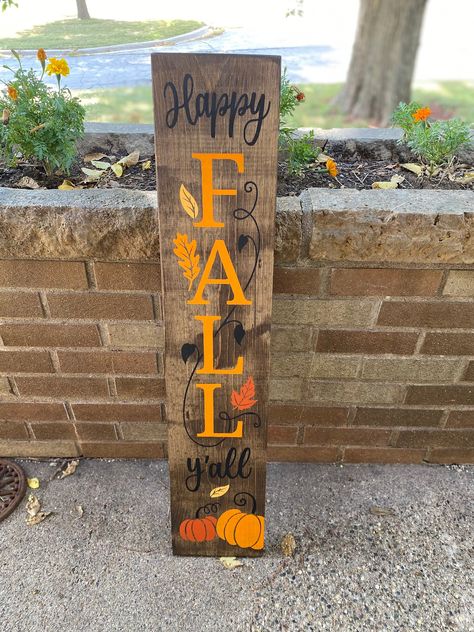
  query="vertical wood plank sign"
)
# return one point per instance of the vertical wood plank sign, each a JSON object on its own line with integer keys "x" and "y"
{"x": 216, "y": 134}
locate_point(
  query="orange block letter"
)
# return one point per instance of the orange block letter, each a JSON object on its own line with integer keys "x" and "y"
{"x": 219, "y": 248}
{"x": 209, "y": 430}
{"x": 208, "y": 354}
{"x": 208, "y": 192}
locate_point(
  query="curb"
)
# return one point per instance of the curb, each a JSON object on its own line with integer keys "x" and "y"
{"x": 199, "y": 33}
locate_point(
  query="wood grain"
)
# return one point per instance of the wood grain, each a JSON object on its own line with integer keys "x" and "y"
{"x": 177, "y": 137}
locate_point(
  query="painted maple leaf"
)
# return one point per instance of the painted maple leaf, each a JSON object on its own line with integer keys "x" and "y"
{"x": 244, "y": 398}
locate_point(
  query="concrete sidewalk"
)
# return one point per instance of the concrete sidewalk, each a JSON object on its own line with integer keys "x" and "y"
{"x": 379, "y": 549}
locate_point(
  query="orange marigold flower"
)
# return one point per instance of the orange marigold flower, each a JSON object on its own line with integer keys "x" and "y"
{"x": 421, "y": 114}
{"x": 41, "y": 55}
{"x": 331, "y": 166}
{"x": 57, "y": 67}
{"x": 12, "y": 93}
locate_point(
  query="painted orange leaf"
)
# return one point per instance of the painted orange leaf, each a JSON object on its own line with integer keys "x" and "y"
{"x": 245, "y": 397}
{"x": 188, "y": 203}
{"x": 187, "y": 258}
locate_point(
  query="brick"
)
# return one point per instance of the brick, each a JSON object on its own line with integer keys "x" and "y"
{"x": 140, "y": 387}
{"x": 37, "y": 411}
{"x": 328, "y": 366}
{"x": 111, "y": 362}
{"x": 355, "y": 313}
{"x": 451, "y": 456}
{"x": 411, "y": 369}
{"x": 460, "y": 419}
{"x": 346, "y": 341}
{"x": 128, "y": 276}
{"x": 50, "y": 335}
{"x": 469, "y": 374}
{"x": 285, "y": 435}
{"x": 384, "y": 282}
{"x": 137, "y": 335}
{"x": 95, "y": 431}
{"x": 62, "y": 387}
{"x": 290, "y": 364}
{"x": 116, "y": 412}
{"x": 25, "y": 361}
{"x": 448, "y": 344}
{"x": 296, "y": 281}
{"x": 436, "y": 438}
{"x": 440, "y": 394}
{"x": 43, "y": 274}
{"x": 57, "y": 448}
{"x": 53, "y": 430}
{"x": 13, "y": 430}
{"x": 290, "y": 339}
{"x": 449, "y": 314}
{"x": 459, "y": 283}
{"x": 346, "y": 436}
{"x": 383, "y": 455}
{"x": 308, "y": 415}
{"x": 20, "y": 305}
{"x": 101, "y": 306}
{"x": 144, "y": 431}
{"x": 286, "y": 390}
{"x": 354, "y": 392}
{"x": 394, "y": 417}
{"x": 5, "y": 388}
{"x": 301, "y": 454}
{"x": 122, "y": 449}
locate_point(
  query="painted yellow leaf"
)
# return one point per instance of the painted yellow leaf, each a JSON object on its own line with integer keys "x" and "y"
{"x": 188, "y": 203}
{"x": 230, "y": 562}
{"x": 413, "y": 167}
{"x": 219, "y": 491}
{"x": 117, "y": 169}
{"x": 130, "y": 160}
{"x": 390, "y": 184}
{"x": 146, "y": 165}
{"x": 188, "y": 259}
{"x": 99, "y": 164}
{"x": 33, "y": 483}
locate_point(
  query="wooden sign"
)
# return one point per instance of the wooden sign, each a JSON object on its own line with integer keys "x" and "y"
{"x": 216, "y": 135}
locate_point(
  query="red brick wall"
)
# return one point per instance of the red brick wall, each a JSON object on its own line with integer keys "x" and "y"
{"x": 369, "y": 364}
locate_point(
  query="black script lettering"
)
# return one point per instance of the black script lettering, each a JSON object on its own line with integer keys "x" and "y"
{"x": 229, "y": 468}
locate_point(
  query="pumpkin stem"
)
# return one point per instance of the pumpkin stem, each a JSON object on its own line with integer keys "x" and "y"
{"x": 241, "y": 502}
{"x": 207, "y": 509}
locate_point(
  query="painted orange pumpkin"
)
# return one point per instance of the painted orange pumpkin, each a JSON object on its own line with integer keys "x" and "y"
{"x": 241, "y": 529}
{"x": 198, "y": 529}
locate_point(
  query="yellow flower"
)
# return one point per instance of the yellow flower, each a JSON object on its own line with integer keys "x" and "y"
{"x": 12, "y": 93}
{"x": 41, "y": 55}
{"x": 331, "y": 166}
{"x": 57, "y": 67}
{"x": 421, "y": 114}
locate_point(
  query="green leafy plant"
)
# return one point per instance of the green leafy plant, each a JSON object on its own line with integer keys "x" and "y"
{"x": 301, "y": 149}
{"x": 40, "y": 123}
{"x": 434, "y": 142}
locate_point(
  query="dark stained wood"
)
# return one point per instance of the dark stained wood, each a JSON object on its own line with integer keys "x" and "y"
{"x": 176, "y": 139}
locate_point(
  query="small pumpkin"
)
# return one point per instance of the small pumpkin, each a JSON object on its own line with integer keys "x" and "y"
{"x": 241, "y": 529}
{"x": 198, "y": 529}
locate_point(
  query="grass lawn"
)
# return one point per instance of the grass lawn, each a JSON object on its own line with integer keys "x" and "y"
{"x": 134, "y": 105}
{"x": 88, "y": 33}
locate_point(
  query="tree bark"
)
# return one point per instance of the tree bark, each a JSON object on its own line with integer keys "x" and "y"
{"x": 383, "y": 58}
{"x": 82, "y": 11}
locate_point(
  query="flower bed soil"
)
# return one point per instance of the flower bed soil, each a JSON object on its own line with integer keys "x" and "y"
{"x": 353, "y": 174}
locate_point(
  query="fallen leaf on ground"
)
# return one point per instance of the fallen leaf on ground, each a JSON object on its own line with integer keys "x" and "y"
{"x": 69, "y": 469}
{"x": 33, "y": 505}
{"x": 288, "y": 545}
{"x": 467, "y": 178}
{"x": 219, "y": 491}
{"x": 67, "y": 185}
{"x": 98, "y": 164}
{"x": 39, "y": 517}
{"x": 146, "y": 165}
{"x": 130, "y": 160}
{"x": 92, "y": 174}
{"x": 230, "y": 562}
{"x": 94, "y": 156}
{"x": 28, "y": 183}
{"x": 79, "y": 510}
{"x": 117, "y": 169}
{"x": 323, "y": 158}
{"x": 381, "y": 511}
{"x": 413, "y": 167}
{"x": 390, "y": 184}
{"x": 33, "y": 483}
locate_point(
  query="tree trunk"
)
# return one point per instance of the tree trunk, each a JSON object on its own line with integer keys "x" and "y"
{"x": 383, "y": 58}
{"x": 82, "y": 11}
